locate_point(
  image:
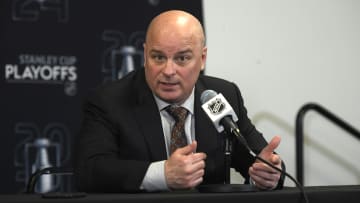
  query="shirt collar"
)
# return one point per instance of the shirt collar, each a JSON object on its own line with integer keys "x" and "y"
{"x": 188, "y": 104}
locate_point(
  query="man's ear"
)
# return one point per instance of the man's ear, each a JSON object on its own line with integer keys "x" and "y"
{"x": 203, "y": 58}
{"x": 144, "y": 53}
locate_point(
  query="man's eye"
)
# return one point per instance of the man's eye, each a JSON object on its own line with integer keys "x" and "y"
{"x": 158, "y": 58}
{"x": 182, "y": 60}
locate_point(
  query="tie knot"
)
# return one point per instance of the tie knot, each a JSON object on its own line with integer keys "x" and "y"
{"x": 177, "y": 112}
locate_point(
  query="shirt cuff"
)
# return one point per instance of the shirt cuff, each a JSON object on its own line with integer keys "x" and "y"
{"x": 252, "y": 182}
{"x": 154, "y": 179}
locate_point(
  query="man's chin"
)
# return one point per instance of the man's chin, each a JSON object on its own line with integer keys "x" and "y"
{"x": 170, "y": 97}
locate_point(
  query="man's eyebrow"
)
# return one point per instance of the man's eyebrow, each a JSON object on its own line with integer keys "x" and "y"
{"x": 180, "y": 52}
{"x": 185, "y": 51}
{"x": 156, "y": 51}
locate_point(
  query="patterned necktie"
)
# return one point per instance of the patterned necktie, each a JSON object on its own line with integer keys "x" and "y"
{"x": 178, "y": 138}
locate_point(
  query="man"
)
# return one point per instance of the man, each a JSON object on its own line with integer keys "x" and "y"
{"x": 125, "y": 144}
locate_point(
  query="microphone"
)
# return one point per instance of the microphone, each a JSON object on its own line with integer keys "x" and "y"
{"x": 223, "y": 117}
{"x": 221, "y": 114}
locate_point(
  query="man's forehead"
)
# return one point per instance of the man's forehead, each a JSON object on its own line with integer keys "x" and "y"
{"x": 173, "y": 44}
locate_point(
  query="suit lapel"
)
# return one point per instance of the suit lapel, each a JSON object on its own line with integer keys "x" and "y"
{"x": 205, "y": 132}
{"x": 149, "y": 121}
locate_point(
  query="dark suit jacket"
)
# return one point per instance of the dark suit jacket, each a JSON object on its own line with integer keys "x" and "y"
{"x": 122, "y": 134}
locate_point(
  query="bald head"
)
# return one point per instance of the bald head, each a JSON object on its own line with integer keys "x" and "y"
{"x": 174, "y": 55}
{"x": 173, "y": 22}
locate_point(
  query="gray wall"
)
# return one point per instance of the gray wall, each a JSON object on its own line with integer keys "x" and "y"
{"x": 283, "y": 54}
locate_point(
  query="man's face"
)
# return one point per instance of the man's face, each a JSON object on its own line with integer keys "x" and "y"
{"x": 173, "y": 62}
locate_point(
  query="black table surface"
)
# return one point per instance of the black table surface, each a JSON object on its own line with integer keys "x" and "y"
{"x": 328, "y": 194}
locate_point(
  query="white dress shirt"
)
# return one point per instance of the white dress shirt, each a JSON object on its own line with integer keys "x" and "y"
{"x": 154, "y": 179}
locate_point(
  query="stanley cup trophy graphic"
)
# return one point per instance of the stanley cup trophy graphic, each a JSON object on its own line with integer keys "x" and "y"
{"x": 127, "y": 64}
{"x": 122, "y": 54}
{"x": 46, "y": 182}
{"x": 41, "y": 148}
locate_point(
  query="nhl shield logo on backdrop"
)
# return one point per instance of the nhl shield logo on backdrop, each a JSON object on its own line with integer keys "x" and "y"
{"x": 217, "y": 106}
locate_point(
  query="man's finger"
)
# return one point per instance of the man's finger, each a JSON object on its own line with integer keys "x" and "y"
{"x": 200, "y": 156}
{"x": 275, "y": 159}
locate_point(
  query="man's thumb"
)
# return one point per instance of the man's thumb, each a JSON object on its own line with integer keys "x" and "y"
{"x": 188, "y": 149}
{"x": 273, "y": 144}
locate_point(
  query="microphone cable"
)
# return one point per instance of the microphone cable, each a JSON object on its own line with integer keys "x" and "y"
{"x": 242, "y": 140}
{"x": 298, "y": 185}
{"x": 231, "y": 127}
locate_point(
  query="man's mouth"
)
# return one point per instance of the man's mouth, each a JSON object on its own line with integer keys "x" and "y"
{"x": 168, "y": 84}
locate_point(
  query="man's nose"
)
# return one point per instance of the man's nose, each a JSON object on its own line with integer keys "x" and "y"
{"x": 170, "y": 68}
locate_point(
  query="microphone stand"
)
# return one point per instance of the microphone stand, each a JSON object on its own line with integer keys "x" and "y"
{"x": 227, "y": 187}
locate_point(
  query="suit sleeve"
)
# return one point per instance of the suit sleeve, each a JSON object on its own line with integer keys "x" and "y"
{"x": 98, "y": 165}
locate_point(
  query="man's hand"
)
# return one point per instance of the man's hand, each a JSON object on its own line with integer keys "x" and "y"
{"x": 185, "y": 169}
{"x": 263, "y": 175}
